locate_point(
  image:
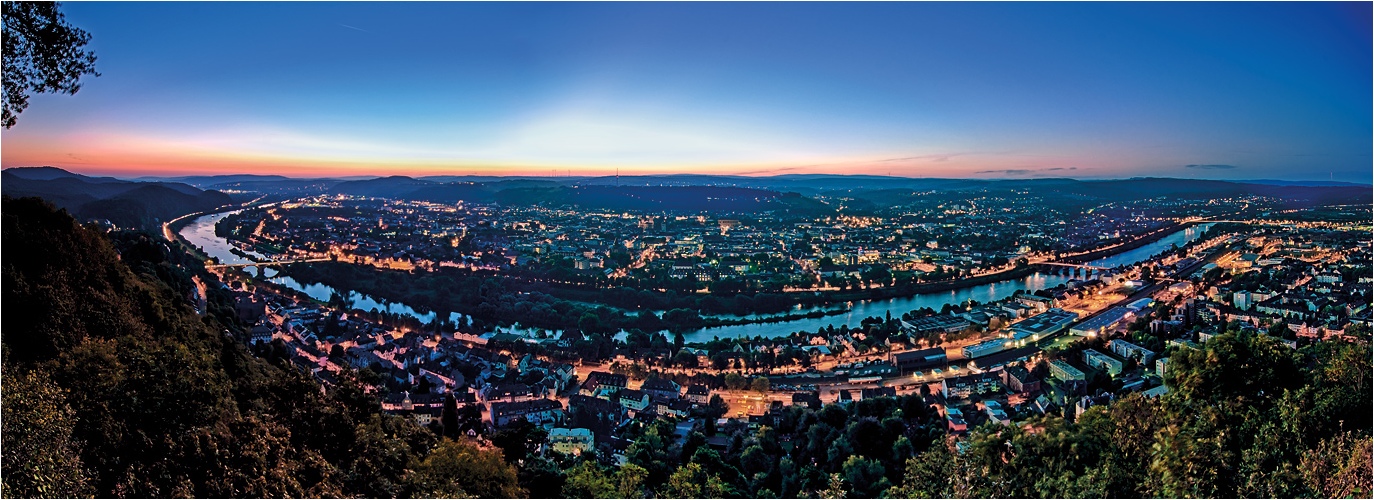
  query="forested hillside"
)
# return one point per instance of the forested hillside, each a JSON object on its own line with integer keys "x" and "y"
{"x": 114, "y": 387}
{"x": 125, "y": 204}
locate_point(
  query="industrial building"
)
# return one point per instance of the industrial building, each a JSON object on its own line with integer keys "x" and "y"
{"x": 1045, "y": 324}
{"x": 1100, "y": 324}
{"x": 940, "y": 323}
{"x": 985, "y": 348}
{"x": 916, "y": 360}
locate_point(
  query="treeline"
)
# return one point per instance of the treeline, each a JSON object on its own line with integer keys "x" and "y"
{"x": 494, "y": 299}
{"x": 114, "y": 387}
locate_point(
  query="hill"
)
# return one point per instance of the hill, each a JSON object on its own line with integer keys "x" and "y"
{"x": 115, "y": 387}
{"x": 124, "y": 203}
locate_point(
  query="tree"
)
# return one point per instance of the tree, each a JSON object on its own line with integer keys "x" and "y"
{"x": 930, "y": 475}
{"x": 43, "y": 54}
{"x": 41, "y": 459}
{"x": 587, "y": 480}
{"x": 449, "y": 417}
{"x": 1339, "y": 467}
{"x": 457, "y": 469}
{"x": 760, "y": 385}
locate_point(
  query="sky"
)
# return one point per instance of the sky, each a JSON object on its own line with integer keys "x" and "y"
{"x": 972, "y": 90}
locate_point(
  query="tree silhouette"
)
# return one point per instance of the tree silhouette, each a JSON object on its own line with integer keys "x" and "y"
{"x": 43, "y": 54}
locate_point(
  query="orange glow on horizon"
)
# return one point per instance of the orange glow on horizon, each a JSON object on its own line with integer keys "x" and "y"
{"x": 122, "y": 162}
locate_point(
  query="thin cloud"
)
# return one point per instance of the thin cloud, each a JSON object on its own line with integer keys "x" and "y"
{"x": 1211, "y": 167}
{"x": 932, "y": 158}
{"x": 354, "y": 28}
{"x": 1025, "y": 171}
{"x": 773, "y": 170}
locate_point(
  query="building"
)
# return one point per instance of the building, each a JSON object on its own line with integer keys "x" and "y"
{"x": 996, "y": 412}
{"x": 812, "y": 399}
{"x": 602, "y": 384}
{"x": 1035, "y": 302}
{"x": 992, "y": 361}
{"x": 677, "y": 408}
{"x": 1065, "y": 371}
{"x": 1045, "y": 324}
{"x": 1156, "y": 391}
{"x": 1243, "y": 300}
{"x": 1128, "y": 350}
{"x": 541, "y": 412}
{"x": 878, "y": 392}
{"x": 660, "y": 388}
{"x": 600, "y": 414}
{"x": 1161, "y": 366}
{"x": 985, "y": 348}
{"x": 1141, "y": 304}
{"x": 698, "y": 394}
{"x": 963, "y": 387}
{"x": 1095, "y": 359}
{"x": 916, "y": 360}
{"x": 955, "y": 420}
{"x": 940, "y": 323}
{"x": 571, "y": 441}
{"x": 1019, "y": 379}
{"x": 634, "y": 400}
{"x": 1101, "y": 323}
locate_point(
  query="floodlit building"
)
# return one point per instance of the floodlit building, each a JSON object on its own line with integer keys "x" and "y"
{"x": 1065, "y": 371}
{"x": 1045, "y": 324}
{"x": 571, "y": 441}
{"x": 1095, "y": 359}
{"x": 1128, "y": 350}
{"x": 1102, "y": 323}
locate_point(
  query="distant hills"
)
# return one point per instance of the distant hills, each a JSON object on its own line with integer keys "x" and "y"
{"x": 733, "y": 193}
{"x": 124, "y": 203}
{"x": 155, "y": 198}
{"x": 589, "y": 196}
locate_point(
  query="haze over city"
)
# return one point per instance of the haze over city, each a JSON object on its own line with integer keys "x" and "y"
{"x": 985, "y": 90}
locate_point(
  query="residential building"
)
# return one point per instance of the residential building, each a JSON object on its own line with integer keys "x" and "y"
{"x": 1019, "y": 379}
{"x": 541, "y": 412}
{"x": 571, "y": 441}
{"x": 1095, "y": 359}
{"x": 1065, "y": 371}
{"x": 660, "y": 388}
{"x": 698, "y": 394}
{"x": 1128, "y": 350}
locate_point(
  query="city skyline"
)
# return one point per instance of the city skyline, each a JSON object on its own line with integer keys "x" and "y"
{"x": 1233, "y": 91}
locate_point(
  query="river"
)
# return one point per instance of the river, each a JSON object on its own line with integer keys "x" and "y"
{"x": 201, "y": 232}
{"x": 981, "y": 293}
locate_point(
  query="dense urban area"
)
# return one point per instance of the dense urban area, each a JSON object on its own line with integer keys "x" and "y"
{"x": 870, "y": 250}
{"x": 562, "y": 351}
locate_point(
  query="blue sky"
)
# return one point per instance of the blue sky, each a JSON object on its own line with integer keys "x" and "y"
{"x": 989, "y": 90}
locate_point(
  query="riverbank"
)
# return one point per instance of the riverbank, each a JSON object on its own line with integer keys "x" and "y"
{"x": 1147, "y": 239}
{"x": 431, "y": 292}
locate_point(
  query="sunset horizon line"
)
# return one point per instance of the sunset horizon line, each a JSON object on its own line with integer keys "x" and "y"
{"x": 575, "y": 175}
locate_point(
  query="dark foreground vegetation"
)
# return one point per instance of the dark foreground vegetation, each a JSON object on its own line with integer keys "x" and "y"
{"x": 115, "y": 387}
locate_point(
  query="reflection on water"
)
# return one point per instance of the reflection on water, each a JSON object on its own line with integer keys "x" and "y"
{"x": 1130, "y": 257}
{"x": 201, "y": 233}
{"x": 982, "y": 294}
{"x": 878, "y": 308}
